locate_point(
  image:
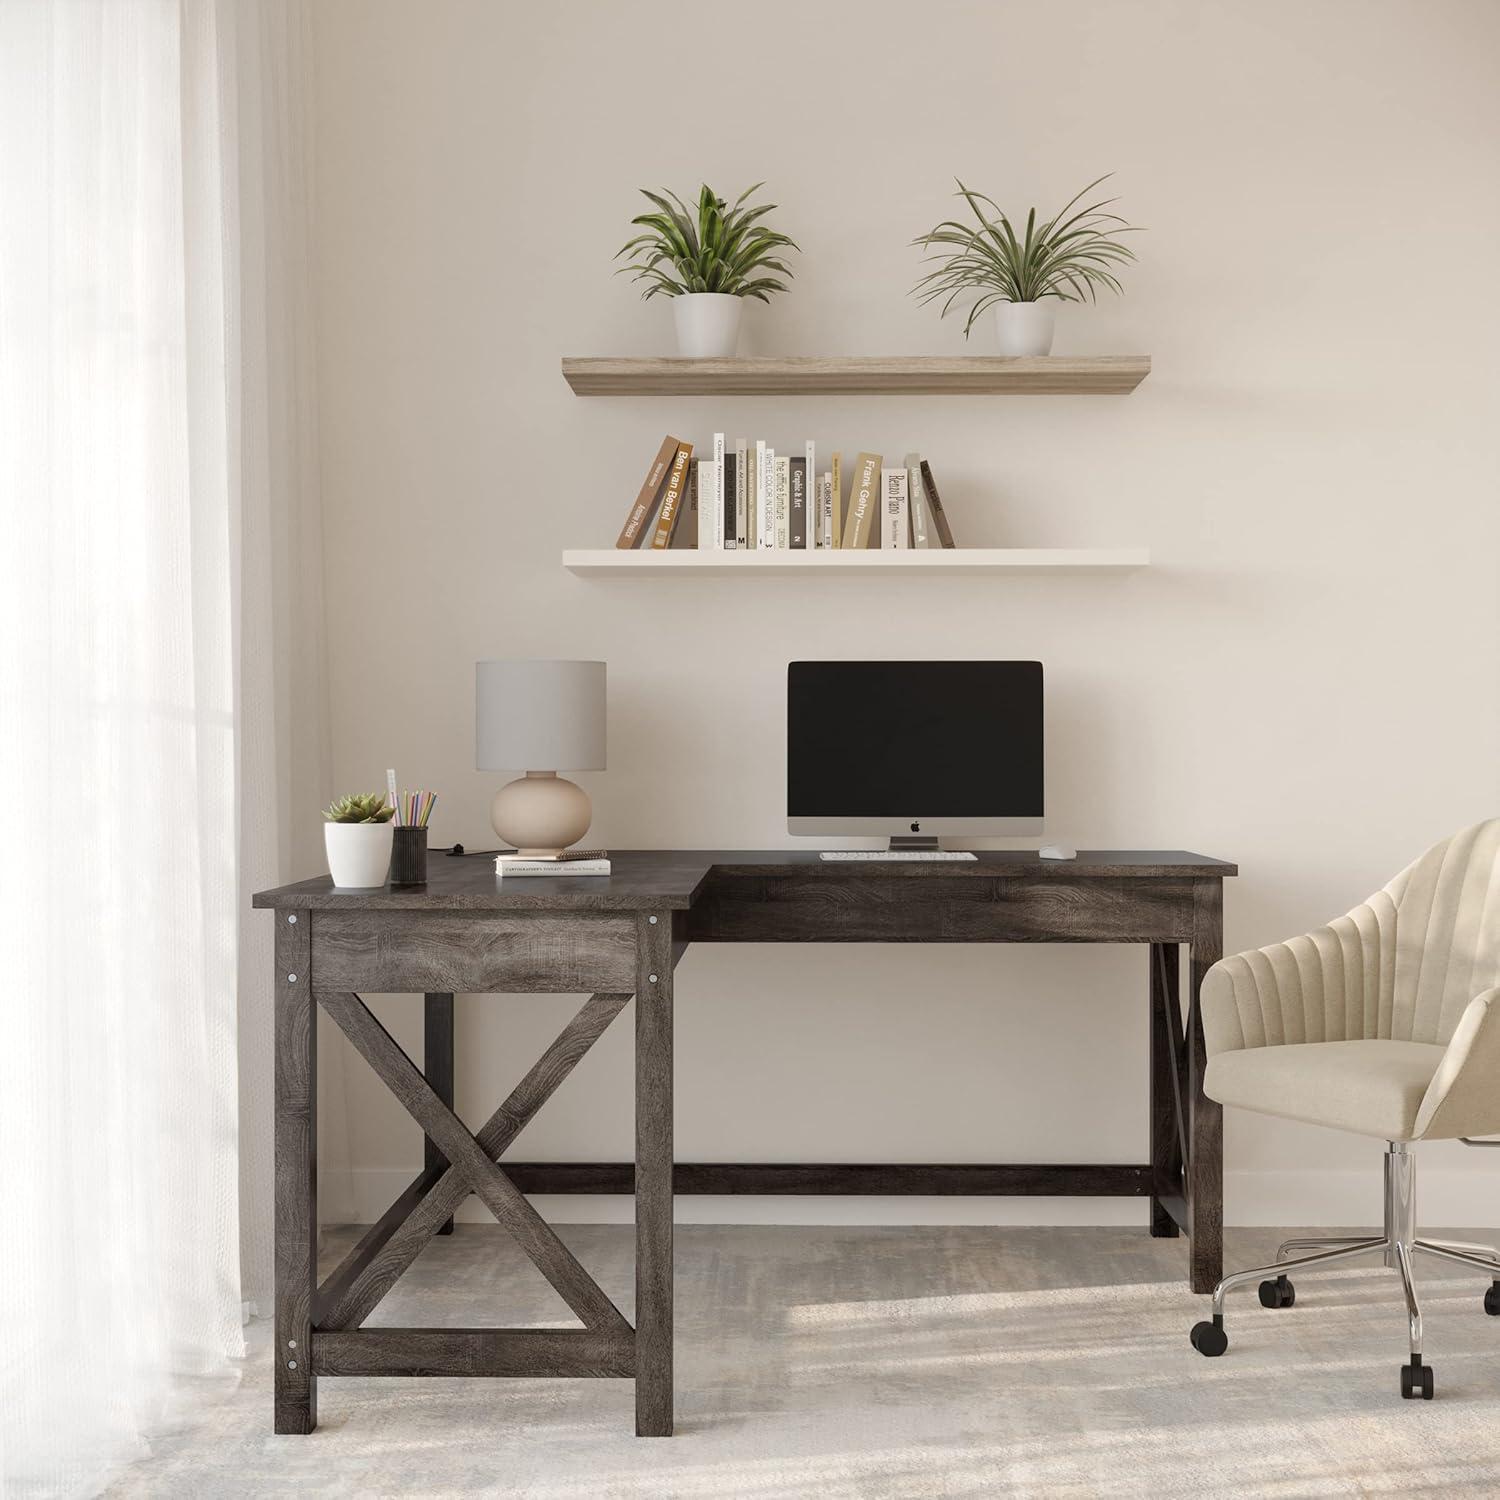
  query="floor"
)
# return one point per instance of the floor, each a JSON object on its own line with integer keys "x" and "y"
{"x": 844, "y": 1362}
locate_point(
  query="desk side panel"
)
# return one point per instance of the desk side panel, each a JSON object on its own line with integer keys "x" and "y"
{"x": 830, "y": 910}
{"x": 473, "y": 953}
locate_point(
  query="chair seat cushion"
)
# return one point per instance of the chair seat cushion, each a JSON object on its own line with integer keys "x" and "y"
{"x": 1369, "y": 1087}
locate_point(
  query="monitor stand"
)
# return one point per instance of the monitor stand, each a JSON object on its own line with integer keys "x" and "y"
{"x": 915, "y": 844}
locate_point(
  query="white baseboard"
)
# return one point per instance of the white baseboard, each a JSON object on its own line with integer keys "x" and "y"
{"x": 1446, "y": 1196}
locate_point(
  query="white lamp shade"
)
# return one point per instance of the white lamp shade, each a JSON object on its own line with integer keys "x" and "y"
{"x": 539, "y": 715}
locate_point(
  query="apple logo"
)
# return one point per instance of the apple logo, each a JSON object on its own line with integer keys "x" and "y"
{"x": 916, "y": 828}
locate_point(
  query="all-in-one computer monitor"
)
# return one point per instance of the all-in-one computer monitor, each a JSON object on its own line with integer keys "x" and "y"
{"x": 914, "y": 749}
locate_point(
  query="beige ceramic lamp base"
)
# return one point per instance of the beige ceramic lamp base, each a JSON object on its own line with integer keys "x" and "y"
{"x": 541, "y": 813}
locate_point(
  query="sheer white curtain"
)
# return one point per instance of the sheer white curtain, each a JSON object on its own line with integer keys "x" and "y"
{"x": 159, "y": 691}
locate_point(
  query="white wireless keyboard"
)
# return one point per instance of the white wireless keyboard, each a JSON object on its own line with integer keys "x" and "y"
{"x": 885, "y": 854}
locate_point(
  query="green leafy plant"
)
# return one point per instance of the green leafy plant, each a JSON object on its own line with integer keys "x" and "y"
{"x": 360, "y": 807}
{"x": 1072, "y": 255}
{"x": 713, "y": 250}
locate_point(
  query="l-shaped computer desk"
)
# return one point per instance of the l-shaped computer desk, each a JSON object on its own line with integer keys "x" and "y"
{"x": 614, "y": 938}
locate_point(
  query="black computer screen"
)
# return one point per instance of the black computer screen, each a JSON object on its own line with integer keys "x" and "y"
{"x": 870, "y": 739}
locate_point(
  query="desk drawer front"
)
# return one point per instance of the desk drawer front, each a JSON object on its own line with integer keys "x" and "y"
{"x": 415, "y": 952}
{"x": 962, "y": 909}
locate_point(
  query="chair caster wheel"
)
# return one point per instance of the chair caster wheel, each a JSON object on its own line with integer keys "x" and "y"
{"x": 1209, "y": 1339}
{"x": 1278, "y": 1293}
{"x": 1492, "y": 1300}
{"x": 1416, "y": 1380}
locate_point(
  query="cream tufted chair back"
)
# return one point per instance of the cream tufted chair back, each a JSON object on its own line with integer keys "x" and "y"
{"x": 1401, "y": 966}
{"x": 1447, "y": 928}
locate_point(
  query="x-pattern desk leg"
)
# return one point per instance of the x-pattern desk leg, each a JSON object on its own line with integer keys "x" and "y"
{"x": 352, "y": 1291}
{"x": 479, "y": 1173}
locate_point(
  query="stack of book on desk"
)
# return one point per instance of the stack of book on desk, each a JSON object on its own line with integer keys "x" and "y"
{"x": 570, "y": 862}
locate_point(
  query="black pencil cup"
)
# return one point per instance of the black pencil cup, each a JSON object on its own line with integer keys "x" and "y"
{"x": 409, "y": 856}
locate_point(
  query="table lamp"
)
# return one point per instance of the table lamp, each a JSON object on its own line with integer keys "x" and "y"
{"x": 540, "y": 717}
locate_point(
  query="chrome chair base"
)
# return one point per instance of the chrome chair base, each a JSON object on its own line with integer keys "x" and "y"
{"x": 1396, "y": 1245}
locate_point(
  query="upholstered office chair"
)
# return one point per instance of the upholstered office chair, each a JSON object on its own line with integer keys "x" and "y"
{"x": 1387, "y": 1023}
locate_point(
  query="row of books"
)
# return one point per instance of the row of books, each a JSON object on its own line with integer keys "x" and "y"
{"x": 750, "y": 496}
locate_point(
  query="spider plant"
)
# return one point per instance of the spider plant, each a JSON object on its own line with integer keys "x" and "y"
{"x": 1071, "y": 256}
{"x": 730, "y": 252}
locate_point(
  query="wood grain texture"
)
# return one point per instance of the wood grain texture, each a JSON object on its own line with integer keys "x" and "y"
{"x": 530, "y": 1231}
{"x": 879, "y": 1179}
{"x": 530, "y": 1352}
{"x": 828, "y": 909}
{"x": 295, "y": 1108}
{"x": 1205, "y": 1171}
{"x": 344, "y": 1286}
{"x": 652, "y": 880}
{"x": 437, "y": 1067}
{"x": 653, "y": 1177}
{"x": 474, "y": 954}
{"x": 1164, "y": 1021}
{"x": 869, "y": 375}
{"x": 354, "y": 1290}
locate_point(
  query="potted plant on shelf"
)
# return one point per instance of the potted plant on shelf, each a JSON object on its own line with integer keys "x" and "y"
{"x": 357, "y": 835}
{"x": 1023, "y": 277}
{"x": 707, "y": 264}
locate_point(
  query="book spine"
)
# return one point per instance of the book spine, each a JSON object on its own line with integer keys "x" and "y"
{"x": 921, "y": 533}
{"x": 715, "y": 496}
{"x": 783, "y": 503}
{"x": 864, "y": 498}
{"x": 685, "y": 532}
{"x": 836, "y": 473}
{"x": 677, "y": 478}
{"x": 825, "y": 509}
{"x": 563, "y": 869}
{"x": 768, "y": 500}
{"x": 897, "y": 519}
{"x": 752, "y": 495}
{"x": 741, "y": 456}
{"x": 645, "y": 501}
{"x": 730, "y": 477}
{"x": 797, "y": 516}
{"x": 762, "y": 466}
{"x": 935, "y": 506}
{"x": 703, "y": 517}
{"x": 809, "y": 484}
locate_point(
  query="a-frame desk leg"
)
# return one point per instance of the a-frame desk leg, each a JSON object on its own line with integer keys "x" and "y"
{"x": 1205, "y": 1166}
{"x": 296, "y": 1129}
{"x": 653, "y": 1176}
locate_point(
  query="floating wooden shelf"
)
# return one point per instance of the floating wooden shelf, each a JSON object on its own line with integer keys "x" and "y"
{"x": 610, "y": 562}
{"x": 867, "y": 375}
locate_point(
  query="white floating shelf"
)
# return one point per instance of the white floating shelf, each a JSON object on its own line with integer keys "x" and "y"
{"x": 610, "y": 562}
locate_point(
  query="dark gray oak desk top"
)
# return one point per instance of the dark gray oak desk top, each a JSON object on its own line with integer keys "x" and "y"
{"x": 671, "y": 879}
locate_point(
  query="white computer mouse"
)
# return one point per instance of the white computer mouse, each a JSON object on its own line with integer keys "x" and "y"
{"x": 1056, "y": 851}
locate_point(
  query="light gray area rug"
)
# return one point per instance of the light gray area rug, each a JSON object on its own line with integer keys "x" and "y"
{"x": 848, "y": 1363}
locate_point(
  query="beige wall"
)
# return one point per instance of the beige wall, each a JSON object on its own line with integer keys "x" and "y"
{"x": 1304, "y": 681}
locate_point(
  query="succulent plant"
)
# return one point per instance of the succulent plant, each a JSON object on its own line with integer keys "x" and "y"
{"x": 360, "y": 807}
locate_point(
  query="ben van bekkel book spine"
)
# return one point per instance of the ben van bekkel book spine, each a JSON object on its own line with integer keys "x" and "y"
{"x": 677, "y": 478}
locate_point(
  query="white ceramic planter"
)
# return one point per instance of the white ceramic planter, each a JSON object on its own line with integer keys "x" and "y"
{"x": 359, "y": 854}
{"x": 1026, "y": 327}
{"x": 708, "y": 324}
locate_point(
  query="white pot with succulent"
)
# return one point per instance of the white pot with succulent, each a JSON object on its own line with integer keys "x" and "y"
{"x": 708, "y": 263}
{"x": 357, "y": 836}
{"x": 1068, "y": 258}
